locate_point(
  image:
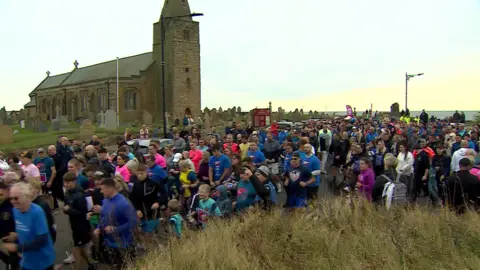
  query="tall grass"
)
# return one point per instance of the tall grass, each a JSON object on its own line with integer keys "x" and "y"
{"x": 336, "y": 236}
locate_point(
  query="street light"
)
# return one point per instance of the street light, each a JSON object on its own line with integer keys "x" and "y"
{"x": 407, "y": 78}
{"x": 164, "y": 103}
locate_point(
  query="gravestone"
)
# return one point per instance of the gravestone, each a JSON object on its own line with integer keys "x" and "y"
{"x": 21, "y": 115}
{"x": 29, "y": 123}
{"x": 110, "y": 119}
{"x": 22, "y": 123}
{"x": 281, "y": 113}
{"x": 56, "y": 124}
{"x": 3, "y": 113}
{"x": 310, "y": 113}
{"x": 147, "y": 118}
{"x": 220, "y": 110}
{"x": 316, "y": 115}
{"x": 207, "y": 121}
{"x": 101, "y": 119}
{"x": 40, "y": 125}
{"x": 86, "y": 129}
{"x": 395, "y": 110}
{"x": 57, "y": 112}
{"x": 92, "y": 116}
{"x": 213, "y": 117}
{"x": 8, "y": 121}
{"x": 199, "y": 122}
{"x": 239, "y": 110}
{"x": 1, "y": 121}
{"x": 6, "y": 135}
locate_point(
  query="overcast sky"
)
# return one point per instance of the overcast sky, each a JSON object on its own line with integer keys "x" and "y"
{"x": 310, "y": 54}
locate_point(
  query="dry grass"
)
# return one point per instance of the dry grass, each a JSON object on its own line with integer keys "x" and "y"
{"x": 336, "y": 237}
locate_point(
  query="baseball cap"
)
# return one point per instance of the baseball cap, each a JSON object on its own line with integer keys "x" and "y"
{"x": 295, "y": 154}
{"x": 40, "y": 150}
{"x": 264, "y": 170}
{"x": 177, "y": 157}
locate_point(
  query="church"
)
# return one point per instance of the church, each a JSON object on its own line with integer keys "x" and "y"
{"x": 86, "y": 91}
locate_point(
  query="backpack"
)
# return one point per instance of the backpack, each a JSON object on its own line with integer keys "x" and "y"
{"x": 400, "y": 192}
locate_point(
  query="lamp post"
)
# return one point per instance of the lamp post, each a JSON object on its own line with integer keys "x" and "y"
{"x": 164, "y": 103}
{"x": 407, "y": 78}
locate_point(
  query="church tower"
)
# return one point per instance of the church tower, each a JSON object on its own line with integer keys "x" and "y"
{"x": 181, "y": 58}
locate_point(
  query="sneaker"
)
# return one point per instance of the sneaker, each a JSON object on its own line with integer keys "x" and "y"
{"x": 347, "y": 189}
{"x": 70, "y": 259}
{"x": 279, "y": 187}
{"x": 323, "y": 172}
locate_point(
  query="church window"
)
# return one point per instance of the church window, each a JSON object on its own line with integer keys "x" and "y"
{"x": 186, "y": 34}
{"x": 184, "y": 3}
{"x": 130, "y": 100}
{"x": 84, "y": 102}
{"x": 102, "y": 100}
{"x": 188, "y": 83}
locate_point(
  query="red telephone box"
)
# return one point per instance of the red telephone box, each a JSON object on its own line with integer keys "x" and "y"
{"x": 261, "y": 117}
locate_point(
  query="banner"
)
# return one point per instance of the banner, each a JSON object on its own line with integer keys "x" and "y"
{"x": 349, "y": 111}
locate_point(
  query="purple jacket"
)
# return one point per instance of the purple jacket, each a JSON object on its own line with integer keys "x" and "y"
{"x": 367, "y": 179}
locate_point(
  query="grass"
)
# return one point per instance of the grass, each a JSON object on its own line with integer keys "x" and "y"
{"x": 337, "y": 237}
{"x": 27, "y": 139}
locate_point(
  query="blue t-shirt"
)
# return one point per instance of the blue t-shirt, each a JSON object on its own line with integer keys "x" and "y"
{"x": 28, "y": 226}
{"x": 83, "y": 182}
{"x": 312, "y": 163}
{"x": 157, "y": 174}
{"x": 256, "y": 156}
{"x": 219, "y": 165}
{"x": 176, "y": 222}
{"x": 245, "y": 195}
{"x": 44, "y": 165}
{"x": 297, "y": 175}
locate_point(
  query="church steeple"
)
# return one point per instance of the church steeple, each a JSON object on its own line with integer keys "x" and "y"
{"x": 176, "y": 8}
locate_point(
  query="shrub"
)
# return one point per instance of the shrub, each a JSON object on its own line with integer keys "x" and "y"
{"x": 335, "y": 237}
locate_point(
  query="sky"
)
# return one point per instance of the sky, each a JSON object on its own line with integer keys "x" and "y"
{"x": 311, "y": 54}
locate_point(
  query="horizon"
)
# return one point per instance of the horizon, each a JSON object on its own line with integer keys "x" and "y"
{"x": 309, "y": 55}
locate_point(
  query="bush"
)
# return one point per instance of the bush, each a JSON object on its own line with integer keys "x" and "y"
{"x": 335, "y": 237}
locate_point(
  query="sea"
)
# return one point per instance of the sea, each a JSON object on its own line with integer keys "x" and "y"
{"x": 469, "y": 115}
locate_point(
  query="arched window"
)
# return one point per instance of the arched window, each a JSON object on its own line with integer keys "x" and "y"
{"x": 186, "y": 34}
{"x": 188, "y": 83}
{"x": 83, "y": 102}
{"x": 102, "y": 100}
{"x": 130, "y": 100}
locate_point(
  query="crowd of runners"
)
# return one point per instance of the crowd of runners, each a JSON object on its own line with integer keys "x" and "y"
{"x": 119, "y": 202}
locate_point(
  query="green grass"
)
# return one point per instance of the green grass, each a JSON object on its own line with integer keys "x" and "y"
{"x": 27, "y": 139}
{"x": 337, "y": 237}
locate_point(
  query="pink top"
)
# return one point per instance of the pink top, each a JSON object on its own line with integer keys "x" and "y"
{"x": 475, "y": 171}
{"x": 30, "y": 171}
{"x": 160, "y": 161}
{"x": 367, "y": 179}
{"x": 123, "y": 171}
{"x": 196, "y": 157}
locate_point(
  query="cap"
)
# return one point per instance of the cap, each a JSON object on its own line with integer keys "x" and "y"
{"x": 264, "y": 170}
{"x": 295, "y": 154}
{"x": 40, "y": 150}
{"x": 177, "y": 157}
{"x": 94, "y": 160}
{"x": 26, "y": 154}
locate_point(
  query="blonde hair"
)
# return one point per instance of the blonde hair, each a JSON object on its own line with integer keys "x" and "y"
{"x": 205, "y": 188}
{"x": 132, "y": 165}
{"x": 183, "y": 164}
{"x": 390, "y": 161}
{"x": 120, "y": 183}
{"x": 36, "y": 186}
{"x": 206, "y": 156}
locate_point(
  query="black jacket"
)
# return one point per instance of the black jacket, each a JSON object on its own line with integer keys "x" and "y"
{"x": 77, "y": 214}
{"x": 145, "y": 193}
{"x": 48, "y": 214}
{"x": 107, "y": 167}
{"x": 379, "y": 185}
{"x": 463, "y": 190}
{"x": 7, "y": 222}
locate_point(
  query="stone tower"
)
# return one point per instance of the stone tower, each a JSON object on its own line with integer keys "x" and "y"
{"x": 182, "y": 61}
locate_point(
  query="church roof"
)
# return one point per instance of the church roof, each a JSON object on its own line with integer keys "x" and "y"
{"x": 31, "y": 103}
{"x": 127, "y": 67}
